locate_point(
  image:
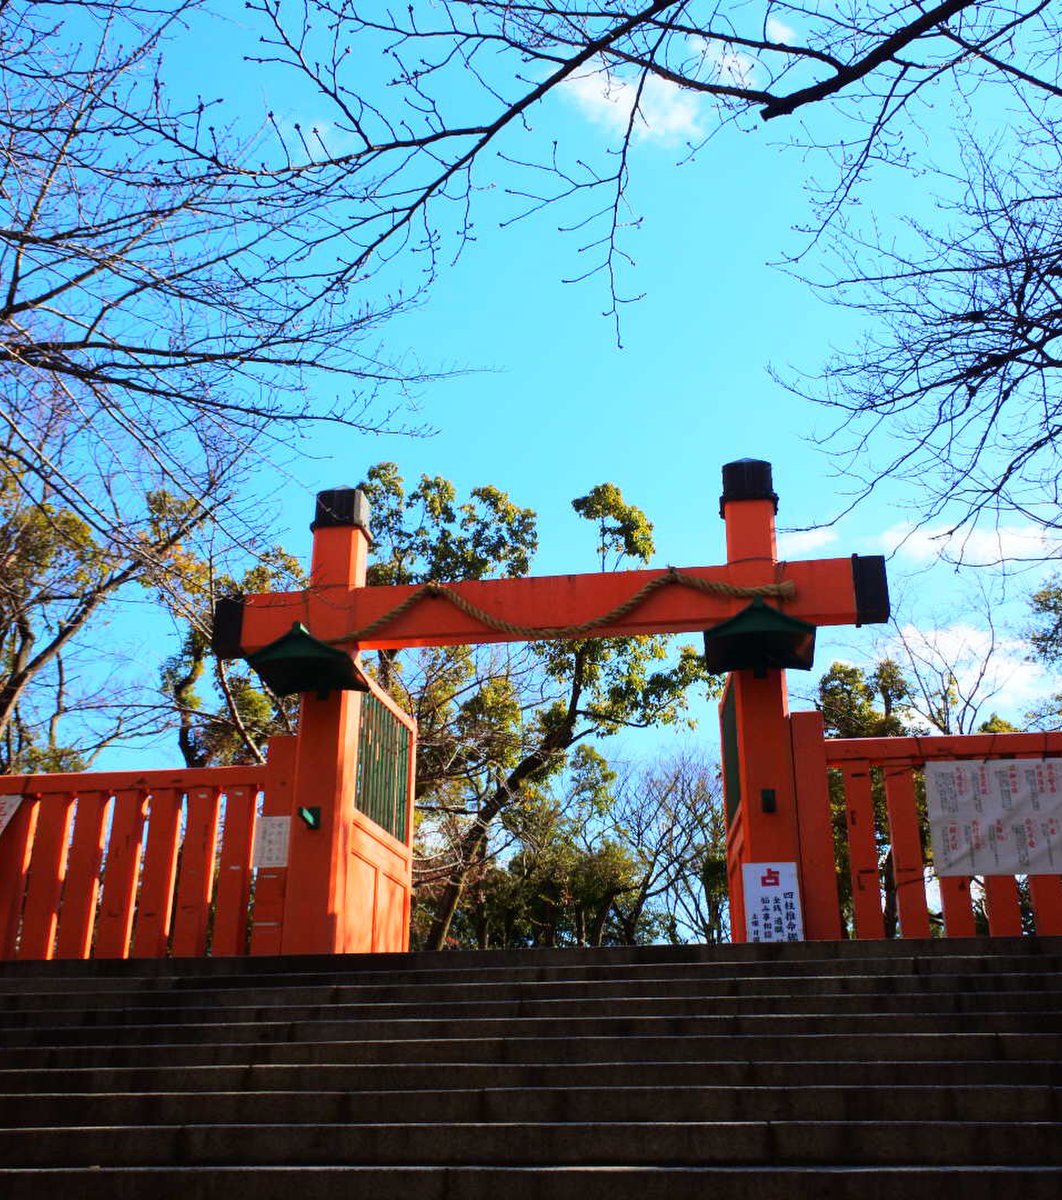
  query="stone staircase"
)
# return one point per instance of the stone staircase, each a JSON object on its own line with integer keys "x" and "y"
{"x": 900, "y": 1069}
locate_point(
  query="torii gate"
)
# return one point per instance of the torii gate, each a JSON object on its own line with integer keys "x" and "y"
{"x": 340, "y": 610}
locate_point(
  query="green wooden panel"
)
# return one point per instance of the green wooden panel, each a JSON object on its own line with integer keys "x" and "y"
{"x": 383, "y": 767}
{"x": 731, "y": 759}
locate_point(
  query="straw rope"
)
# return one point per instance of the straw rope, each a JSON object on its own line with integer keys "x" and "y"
{"x": 432, "y": 590}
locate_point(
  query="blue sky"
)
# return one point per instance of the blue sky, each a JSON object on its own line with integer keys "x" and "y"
{"x": 543, "y": 403}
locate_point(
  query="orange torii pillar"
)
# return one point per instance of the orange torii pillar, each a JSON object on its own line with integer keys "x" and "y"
{"x": 761, "y": 765}
{"x": 340, "y": 610}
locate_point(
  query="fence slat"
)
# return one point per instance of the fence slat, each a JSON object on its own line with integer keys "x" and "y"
{"x": 234, "y": 874}
{"x": 155, "y": 908}
{"x": 83, "y": 895}
{"x": 1046, "y": 892}
{"x": 120, "y": 875}
{"x": 1001, "y": 901}
{"x": 46, "y": 873}
{"x": 822, "y": 912}
{"x": 16, "y": 844}
{"x": 196, "y": 880}
{"x": 78, "y": 918}
{"x": 863, "y": 853}
{"x": 958, "y": 909}
{"x": 908, "y": 871}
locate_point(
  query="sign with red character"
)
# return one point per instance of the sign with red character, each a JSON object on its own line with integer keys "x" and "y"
{"x": 772, "y": 903}
{"x": 1000, "y": 817}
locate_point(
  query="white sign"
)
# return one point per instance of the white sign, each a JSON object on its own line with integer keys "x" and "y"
{"x": 271, "y": 836}
{"x": 772, "y": 903}
{"x": 1000, "y": 817}
{"x": 8, "y": 808}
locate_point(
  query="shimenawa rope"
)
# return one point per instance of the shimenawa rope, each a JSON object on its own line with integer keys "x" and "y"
{"x": 432, "y": 590}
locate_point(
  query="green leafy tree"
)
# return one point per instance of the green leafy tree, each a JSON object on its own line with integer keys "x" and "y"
{"x": 1045, "y": 636}
{"x": 856, "y": 704}
{"x": 57, "y": 573}
{"x": 611, "y": 861}
{"x": 498, "y": 726}
{"x": 224, "y": 715}
{"x": 848, "y": 699}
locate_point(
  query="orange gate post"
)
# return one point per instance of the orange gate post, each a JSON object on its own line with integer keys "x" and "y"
{"x": 761, "y": 775}
{"x": 325, "y": 769}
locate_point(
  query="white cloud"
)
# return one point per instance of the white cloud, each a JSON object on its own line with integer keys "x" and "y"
{"x": 779, "y": 31}
{"x": 978, "y": 547}
{"x": 1000, "y": 676}
{"x": 666, "y": 112}
{"x": 802, "y": 541}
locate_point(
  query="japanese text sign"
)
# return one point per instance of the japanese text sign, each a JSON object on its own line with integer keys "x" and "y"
{"x": 772, "y": 903}
{"x": 996, "y": 817}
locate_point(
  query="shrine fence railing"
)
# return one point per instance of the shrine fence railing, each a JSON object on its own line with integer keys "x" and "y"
{"x": 154, "y": 864}
{"x": 880, "y": 831}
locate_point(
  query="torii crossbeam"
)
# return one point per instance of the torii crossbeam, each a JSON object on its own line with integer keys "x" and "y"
{"x": 340, "y": 610}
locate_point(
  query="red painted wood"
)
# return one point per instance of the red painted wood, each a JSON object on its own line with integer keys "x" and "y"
{"x": 113, "y": 782}
{"x": 958, "y": 909}
{"x": 78, "y": 919}
{"x": 915, "y": 751}
{"x": 863, "y": 853}
{"x": 908, "y": 868}
{"x": 16, "y": 844}
{"x": 1046, "y": 892}
{"x": 319, "y": 860}
{"x": 155, "y": 906}
{"x": 120, "y": 876}
{"x": 271, "y": 882}
{"x": 195, "y": 882}
{"x": 231, "y": 918}
{"x": 825, "y": 595}
{"x": 1004, "y": 911}
{"x": 818, "y": 867}
{"x": 735, "y": 858}
{"x": 40, "y": 917}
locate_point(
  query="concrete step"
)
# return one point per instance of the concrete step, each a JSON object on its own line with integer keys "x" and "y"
{"x": 692, "y": 1143}
{"x": 623, "y": 1047}
{"x": 817, "y": 1071}
{"x": 415, "y": 1076}
{"x": 670, "y": 1025}
{"x": 528, "y": 1183}
{"x": 900, "y": 956}
{"x": 621, "y": 1103}
{"x": 679, "y": 984}
{"x": 664, "y": 1003}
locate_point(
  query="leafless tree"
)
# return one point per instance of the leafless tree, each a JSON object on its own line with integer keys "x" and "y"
{"x": 475, "y": 82}
{"x": 955, "y": 387}
{"x": 181, "y": 284}
{"x": 670, "y": 816}
{"x": 172, "y": 288}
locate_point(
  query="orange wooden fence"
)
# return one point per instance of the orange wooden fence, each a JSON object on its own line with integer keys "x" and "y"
{"x": 892, "y": 766}
{"x": 140, "y": 864}
{"x": 150, "y": 864}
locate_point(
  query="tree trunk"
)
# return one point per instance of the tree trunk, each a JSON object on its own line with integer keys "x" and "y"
{"x": 474, "y": 844}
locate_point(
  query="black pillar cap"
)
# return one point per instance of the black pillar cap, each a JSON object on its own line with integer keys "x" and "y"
{"x": 747, "y": 479}
{"x": 341, "y": 507}
{"x": 871, "y": 589}
{"x": 228, "y": 627}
